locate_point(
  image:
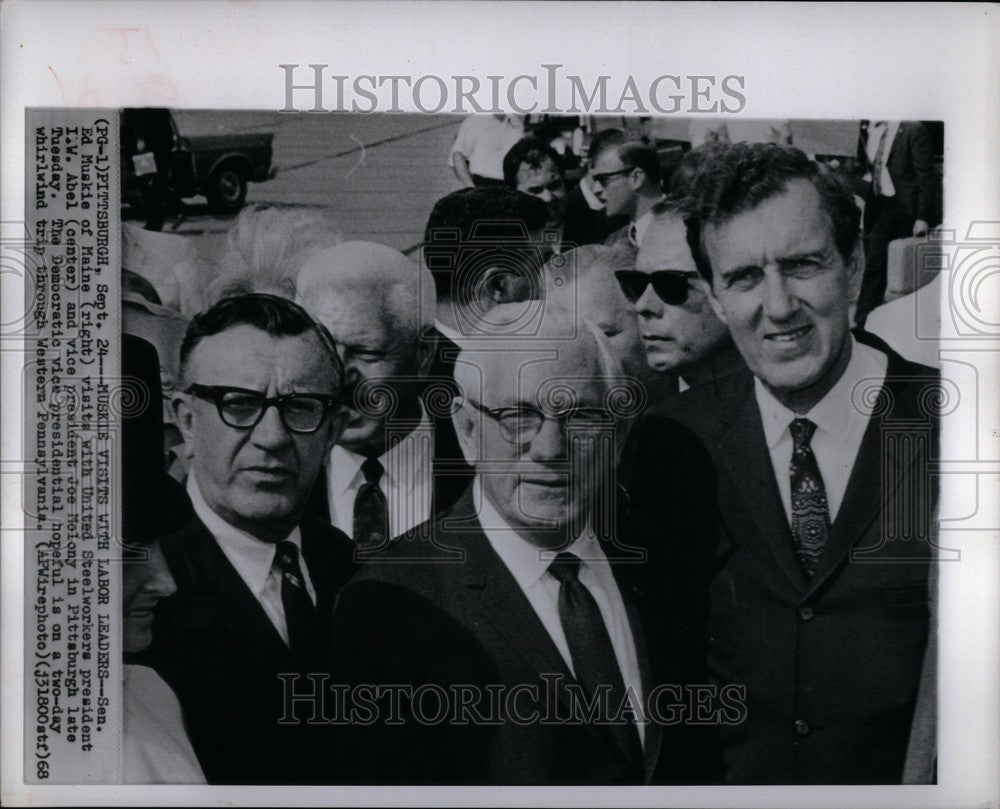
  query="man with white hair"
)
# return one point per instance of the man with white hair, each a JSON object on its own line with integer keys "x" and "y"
{"x": 519, "y": 604}
{"x": 392, "y": 467}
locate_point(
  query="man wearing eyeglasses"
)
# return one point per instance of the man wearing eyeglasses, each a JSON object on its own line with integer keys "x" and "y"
{"x": 259, "y": 409}
{"x": 524, "y": 593}
{"x": 625, "y": 175}
{"x": 681, "y": 333}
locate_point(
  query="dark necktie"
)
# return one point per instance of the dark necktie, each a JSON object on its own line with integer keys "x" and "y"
{"x": 300, "y": 612}
{"x": 879, "y": 162}
{"x": 810, "y": 511}
{"x": 590, "y": 648}
{"x": 371, "y": 511}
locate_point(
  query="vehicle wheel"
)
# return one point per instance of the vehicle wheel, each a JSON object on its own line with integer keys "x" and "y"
{"x": 226, "y": 189}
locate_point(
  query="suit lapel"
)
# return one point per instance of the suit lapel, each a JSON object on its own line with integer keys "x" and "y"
{"x": 879, "y": 469}
{"x": 215, "y": 577}
{"x": 633, "y": 597}
{"x": 749, "y": 467}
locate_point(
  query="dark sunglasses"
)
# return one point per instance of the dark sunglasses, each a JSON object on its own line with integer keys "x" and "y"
{"x": 671, "y": 286}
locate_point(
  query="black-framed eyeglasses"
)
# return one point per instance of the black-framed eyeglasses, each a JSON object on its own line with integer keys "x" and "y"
{"x": 671, "y": 286}
{"x": 521, "y": 424}
{"x": 604, "y": 176}
{"x": 244, "y": 409}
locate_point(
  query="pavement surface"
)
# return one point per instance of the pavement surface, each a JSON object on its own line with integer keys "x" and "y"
{"x": 380, "y": 174}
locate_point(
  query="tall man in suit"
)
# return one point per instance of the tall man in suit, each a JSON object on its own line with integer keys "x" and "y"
{"x": 900, "y": 197}
{"x": 819, "y": 602}
{"x": 258, "y": 407}
{"x": 392, "y": 466}
{"x": 516, "y": 599}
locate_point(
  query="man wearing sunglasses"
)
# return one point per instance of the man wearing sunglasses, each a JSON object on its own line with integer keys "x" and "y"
{"x": 679, "y": 330}
{"x": 521, "y": 591}
{"x": 625, "y": 175}
{"x": 259, "y": 409}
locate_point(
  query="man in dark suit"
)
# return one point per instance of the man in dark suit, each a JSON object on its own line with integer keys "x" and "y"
{"x": 900, "y": 197}
{"x": 819, "y": 457}
{"x": 393, "y": 466}
{"x": 520, "y": 602}
{"x": 259, "y": 409}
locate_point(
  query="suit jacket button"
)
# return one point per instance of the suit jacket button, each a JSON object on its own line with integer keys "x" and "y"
{"x": 806, "y": 613}
{"x": 802, "y": 727}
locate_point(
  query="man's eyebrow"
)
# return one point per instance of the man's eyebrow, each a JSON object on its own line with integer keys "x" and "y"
{"x": 795, "y": 258}
{"x": 742, "y": 268}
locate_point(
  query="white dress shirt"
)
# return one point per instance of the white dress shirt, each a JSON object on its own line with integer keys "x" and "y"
{"x": 875, "y": 131}
{"x": 484, "y": 140}
{"x": 253, "y": 558}
{"x": 529, "y": 565}
{"x": 841, "y": 418}
{"x": 406, "y": 482}
{"x": 638, "y": 228}
{"x": 155, "y": 747}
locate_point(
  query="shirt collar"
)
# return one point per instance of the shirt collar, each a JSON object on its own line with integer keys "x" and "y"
{"x": 252, "y": 557}
{"x": 526, "y": 562}
{"x": 401, "y": 461}
{"x": 448, "y": 332}
{"x": 835, "y": 411}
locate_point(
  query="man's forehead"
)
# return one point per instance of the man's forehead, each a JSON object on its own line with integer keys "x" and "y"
{"x": 513, "y": 376}
{"x": 608, "y": 159}
{"x": 784, "y": 224}
{"x": 245, "y": 349}
{"x": 546, "y": 169}
{"x": 665, "y": 247}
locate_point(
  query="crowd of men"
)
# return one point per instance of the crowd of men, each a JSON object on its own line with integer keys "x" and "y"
{"x": 601, "y": 487}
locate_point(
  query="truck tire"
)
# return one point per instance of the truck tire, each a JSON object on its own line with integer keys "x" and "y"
{"x": 226, "y": 189}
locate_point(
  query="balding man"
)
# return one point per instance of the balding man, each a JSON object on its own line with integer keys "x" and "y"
{"x": 392, "y": 467}
{"x": 495, "y": 623}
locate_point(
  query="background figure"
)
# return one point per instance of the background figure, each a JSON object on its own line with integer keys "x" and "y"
{"x": 900, "y": 198}
{"x": 587, "y": 220}
{"x": 626, "y": 178}
{"x": 680, "y": 332}
{"x": 535, "y": 168}
{"x": 581, "y": 285}
{"x": 259, "y": 409}
{"x": 388, "y": 471}
{"x": 155, "y": 745}
{"x": 482, "y": 140}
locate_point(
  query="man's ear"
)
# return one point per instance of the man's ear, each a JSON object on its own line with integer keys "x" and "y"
{"x": 637, "y": 178}
{"x": 465, "y": 429}
{"x": 180, "y": 404}
{"x": 855, "y": 272}
{"x": 338, "y": 418}
{"x": 713, "y": 299}
{"x": 496, "y": 286}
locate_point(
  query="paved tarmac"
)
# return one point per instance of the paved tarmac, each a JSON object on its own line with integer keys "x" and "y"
{"x": 379, "y": 173}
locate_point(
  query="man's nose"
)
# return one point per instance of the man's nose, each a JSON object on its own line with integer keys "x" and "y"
{"x": 780, "y": 301}
{"x": 550, "y": 442}
{"x": 649, "y": 303}
{"x": 271, "y": 432}
{"x": 161, "y": 581}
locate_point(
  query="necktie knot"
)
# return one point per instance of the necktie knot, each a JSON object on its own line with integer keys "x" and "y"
{"x": 802, "y": 432}
{"x": 286, "y": 559}
{"x": 372, "y": 469}
{"x": 565, "y": 567}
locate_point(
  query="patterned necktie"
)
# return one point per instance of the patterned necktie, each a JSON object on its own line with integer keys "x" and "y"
{"x": 371, "y": 511}
{"x": 300, "y": 612}
{"x": 879, "y": 162}
{"x": 810, "y": 511}
{"x": 590, "y": 648}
